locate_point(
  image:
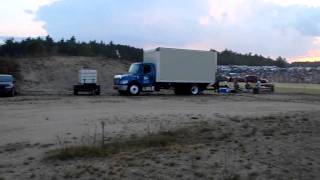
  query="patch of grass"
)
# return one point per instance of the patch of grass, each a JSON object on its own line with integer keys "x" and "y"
{"x": 297, "y": 88}
{"x": 187, "y": 135}
{"x": 132, "y": 143}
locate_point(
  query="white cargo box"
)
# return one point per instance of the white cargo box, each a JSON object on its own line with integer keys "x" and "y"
{"x": 183, "y": 66}
{"x": 88, "y": 76}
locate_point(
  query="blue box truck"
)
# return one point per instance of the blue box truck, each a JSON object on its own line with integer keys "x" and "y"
{"x": 184, "y": 71}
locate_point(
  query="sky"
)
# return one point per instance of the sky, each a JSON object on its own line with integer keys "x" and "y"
{"x": 287, "y": 28}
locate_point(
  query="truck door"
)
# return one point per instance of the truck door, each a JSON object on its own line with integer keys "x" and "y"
{"x": 148, "y": 76}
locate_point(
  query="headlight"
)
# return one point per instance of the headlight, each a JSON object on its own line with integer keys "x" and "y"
{"x": 9, "y": 87}
{"x": 123, "y": 82}
{"x": 117, "y": 77}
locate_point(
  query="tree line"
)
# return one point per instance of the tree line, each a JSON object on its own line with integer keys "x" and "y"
{"x": 228, "y": 57}
{"x": 307, "y": 64}
{"x": 33, "y": 47}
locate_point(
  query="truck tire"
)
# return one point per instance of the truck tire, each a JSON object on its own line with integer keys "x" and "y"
{"x": 195, "y": 89}
{"x": 134, "y": 89}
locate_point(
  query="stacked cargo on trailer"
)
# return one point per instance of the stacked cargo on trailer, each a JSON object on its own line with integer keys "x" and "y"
{"x": 87, "y": 82}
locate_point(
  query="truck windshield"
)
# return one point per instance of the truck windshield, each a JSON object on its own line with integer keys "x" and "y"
{"x": 5, "y": 79}
{"x": 134, "y": 69}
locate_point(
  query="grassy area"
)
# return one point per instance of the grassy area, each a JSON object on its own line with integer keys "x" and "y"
{"x": 297, "y": 88}
{"x": 184, "y": 135}
{"x": 132, "y": 143}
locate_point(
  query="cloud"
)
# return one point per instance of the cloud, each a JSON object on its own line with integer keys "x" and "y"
{"x": 28, "y": 11}
{"x": 308, "y": 3}
{"x": 136, "y": 22}
{"x": 270, "y": 27}
{"x": 17, "y": 18}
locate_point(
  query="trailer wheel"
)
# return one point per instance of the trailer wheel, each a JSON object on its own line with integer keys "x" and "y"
{"x": 98, "y": 90}
{"x": 195, "y": 89}
{"x": 134, "y": 89}
{"x": 75, "y": 92}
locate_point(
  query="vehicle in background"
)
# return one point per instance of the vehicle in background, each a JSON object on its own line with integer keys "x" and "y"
{"x": 258, "y": 85}
{"x": 7, "y": 85}
{"x": 251, "y": 79}
{"x": 87, "y": 82}
{"x": 184, "y": 71}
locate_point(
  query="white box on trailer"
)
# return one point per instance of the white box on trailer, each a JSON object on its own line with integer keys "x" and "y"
{"x": 87, "y": 76}
{"x": 183, "y": 66}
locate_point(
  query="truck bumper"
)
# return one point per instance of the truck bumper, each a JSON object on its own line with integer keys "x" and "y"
{"x": 5, "y": 91}
{"x": 120, "y": 87}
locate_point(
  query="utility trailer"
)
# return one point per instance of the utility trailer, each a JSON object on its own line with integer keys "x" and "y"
{"x": 184, "y": 71}
{"x": 87, "y": 82}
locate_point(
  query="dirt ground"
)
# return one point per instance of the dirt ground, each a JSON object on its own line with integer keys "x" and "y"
{"x": 266, "y": 136}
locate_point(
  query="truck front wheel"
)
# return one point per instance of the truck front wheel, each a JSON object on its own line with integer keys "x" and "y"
{"x": 134, "y": 89}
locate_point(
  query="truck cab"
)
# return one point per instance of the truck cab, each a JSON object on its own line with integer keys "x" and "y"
{"x": 140, "y": 77}
{"x": 7, "y": 85}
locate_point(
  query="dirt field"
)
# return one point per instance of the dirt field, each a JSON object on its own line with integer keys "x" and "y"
{"x": 241, "y": 136}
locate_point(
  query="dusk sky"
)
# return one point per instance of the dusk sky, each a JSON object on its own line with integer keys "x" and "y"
{"x": 287, "y": 28}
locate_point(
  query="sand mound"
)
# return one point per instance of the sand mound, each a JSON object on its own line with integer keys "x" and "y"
{"x": 55, "y": 75}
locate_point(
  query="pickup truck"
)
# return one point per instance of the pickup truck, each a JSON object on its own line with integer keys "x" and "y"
{"x": 186, "y": 72}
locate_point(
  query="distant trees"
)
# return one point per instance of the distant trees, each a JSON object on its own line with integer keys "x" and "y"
{"x": 306, "y": 64}
{"x": 69, "y": 47}
{"x": 228, "y": 57}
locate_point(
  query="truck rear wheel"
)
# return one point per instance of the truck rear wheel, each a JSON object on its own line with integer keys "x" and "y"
{"x": 134, "y": 89}
{"x": 195, "y": 89}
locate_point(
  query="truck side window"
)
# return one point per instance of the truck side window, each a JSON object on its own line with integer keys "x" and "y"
{"x": 146, "y": 69}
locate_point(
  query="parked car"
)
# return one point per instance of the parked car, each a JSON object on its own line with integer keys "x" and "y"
{"x": 7, "y": 85}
